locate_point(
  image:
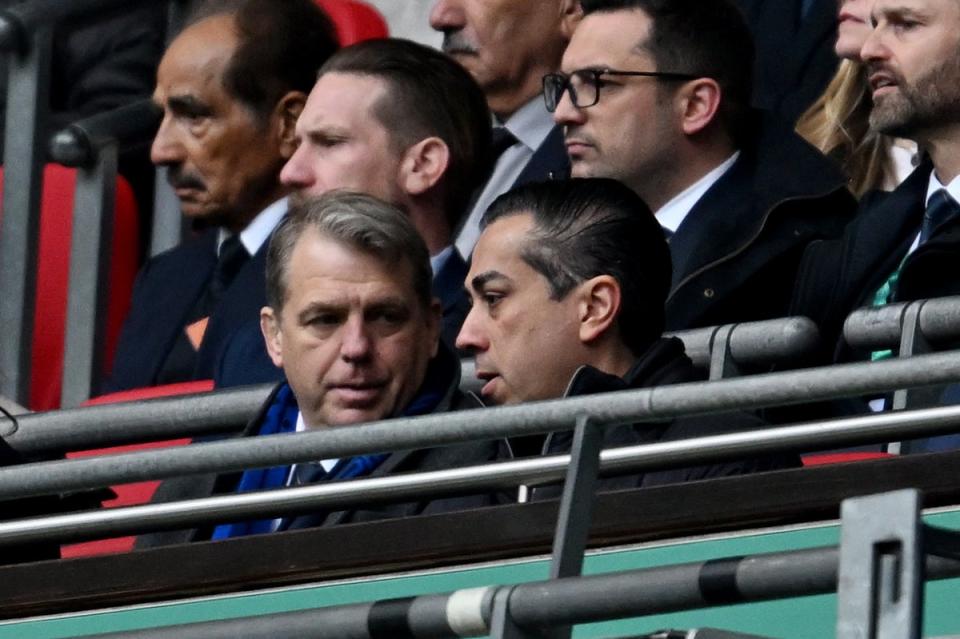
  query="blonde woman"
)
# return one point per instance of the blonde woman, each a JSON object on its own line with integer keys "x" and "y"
{"x": 838, "y": 122}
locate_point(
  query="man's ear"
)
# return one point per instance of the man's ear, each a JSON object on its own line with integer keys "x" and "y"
{"x": 272, "y": 337}
{"x": 570, "y": 14}
{"x": 598, "y": 307}
{"x": 423, "y": 165}
{"x": 698, "y": 103}
{"x": 287, "y": 112}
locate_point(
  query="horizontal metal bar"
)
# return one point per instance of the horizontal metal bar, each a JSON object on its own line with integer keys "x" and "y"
{"x": 17, "y": 22}
{"x": 129, "y": 126}
{"x": 620, "y": 595}
{"x": 880, "y": 326}
{"x": 755, "y": 343}
{"x": 182, "y": 417}
{"x": 147, "y": 420}
{"x": 272, "y": 503}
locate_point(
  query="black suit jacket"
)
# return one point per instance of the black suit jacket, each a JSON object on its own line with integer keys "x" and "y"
{"x": 549, "y": 162}
{"x": 168, "y": 287}
{"x": 794, "y": 62}
{"x": 735, "y": 256}
{"x": 837, "y": 277}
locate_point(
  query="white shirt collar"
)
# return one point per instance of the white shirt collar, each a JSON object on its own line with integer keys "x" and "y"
{"x": 935, "y": 185}
{"x": 531, "y": 123}
{"x": 672, "y": 214}
{"x": 438, "y": 260}
{"x": 302, "y": 427}
{"x": 260, "y": 228}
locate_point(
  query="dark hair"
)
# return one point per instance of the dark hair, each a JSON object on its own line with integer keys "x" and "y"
{"x": 357, "y": 220}
{"x": 281, "y": 46}
{"x": 585, "y": 227}
{"x": 707, "y": 38}
{"x": 429, "y": 95}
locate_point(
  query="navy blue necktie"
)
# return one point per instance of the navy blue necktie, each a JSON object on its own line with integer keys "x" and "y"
{"x": 940, "y": 208}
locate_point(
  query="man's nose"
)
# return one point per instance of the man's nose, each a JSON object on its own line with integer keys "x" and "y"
{"x": 295, "y": 172}
{"x": 166, "y": 148}
{"x": 356, "y": 345}
{"x": 566, "y": 112}
{"x": 470, "y": 337}
{"x": 446, "y": 15}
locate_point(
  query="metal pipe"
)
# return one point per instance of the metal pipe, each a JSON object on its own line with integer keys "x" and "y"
{"x": 64, "y": 431}
{"x": 80, "y": 143}
{"x": 544, "y": 604}
{"x": 880, "y": 326}
{"x": 19, "y": 21}
{"x": 755, "y": 343}
{"x": 147, "y": 420}
{"x": 33, "y": 479}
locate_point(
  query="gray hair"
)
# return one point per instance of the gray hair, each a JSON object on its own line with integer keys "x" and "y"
{"x": 357, "y": 220}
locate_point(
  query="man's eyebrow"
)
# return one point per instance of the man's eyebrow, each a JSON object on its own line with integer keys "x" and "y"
{"x": 482, "y": 279}
{"x": 320, "y": 307}
{"x": 187, "y": 104}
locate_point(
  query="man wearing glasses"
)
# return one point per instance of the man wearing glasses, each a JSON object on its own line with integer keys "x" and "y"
{"x": 656, "y": 94}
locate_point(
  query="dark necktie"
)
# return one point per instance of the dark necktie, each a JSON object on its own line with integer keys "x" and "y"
{"x": 500, "y": 141}
{"x": 667, "y": 233}
{"x": 230, "y": 260}
{"x": 308, "y": 473}
{"x": 940, "y": 208}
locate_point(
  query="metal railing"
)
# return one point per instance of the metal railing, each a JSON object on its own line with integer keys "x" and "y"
{"x": 93, "y": 146}
{"x": 26, "y": 37}
{"x": 503, "y": 475}
{"x": 878, "y": 578}
{"x": 789, "y": 387}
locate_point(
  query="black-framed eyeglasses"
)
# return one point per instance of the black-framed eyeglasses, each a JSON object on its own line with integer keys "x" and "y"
{"x": 584, "y": 85}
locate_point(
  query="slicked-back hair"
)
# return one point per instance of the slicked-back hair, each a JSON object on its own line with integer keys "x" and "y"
{"x": 428, "y": 94}
{"x": 281, "y": 46}
{"x": 585, "y": 227}
{"x": 707, "y": 38}
{"x": 359, "y": 221}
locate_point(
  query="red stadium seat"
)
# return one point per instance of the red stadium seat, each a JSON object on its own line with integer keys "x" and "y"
{"x": 840, "y": 458}
{"x": 355, "y": 21}
{"x": 53, "y": 268}
{"x": 130, "y": 494}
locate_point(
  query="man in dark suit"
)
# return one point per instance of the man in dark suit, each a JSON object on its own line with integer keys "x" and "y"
{"x": 905, "y": 245}
{"x": 406, "y": 124}
{"x": 795, "y": 57}
{"x": 568, "y": 282}
{"x": 231, "y": 86}
{"x": 507, "y": 47}
{"x": 656, "y": 93}
{"x": 352, "y": 322}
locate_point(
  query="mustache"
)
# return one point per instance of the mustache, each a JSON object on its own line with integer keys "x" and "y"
{"x": 456, "y": 42}
{"x": 178, "y": 179}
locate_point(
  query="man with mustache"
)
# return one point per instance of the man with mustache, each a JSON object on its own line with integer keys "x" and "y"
{"x": 352, "y": 322}
{"x": 507, "y": 46}
{"x": 656, "y": 94}
{"x": 231, "y": 86}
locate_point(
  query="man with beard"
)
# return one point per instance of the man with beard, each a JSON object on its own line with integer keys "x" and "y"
{"x": 904, "y": 245}
{"x": 231, "y": 86}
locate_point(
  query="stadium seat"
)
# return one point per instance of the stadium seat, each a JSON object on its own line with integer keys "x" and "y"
{"x": 130, "y": 494}
{"x": 840, "y": 458}
{"x": 53, "y": 269}
{"x": 355, "y": 21}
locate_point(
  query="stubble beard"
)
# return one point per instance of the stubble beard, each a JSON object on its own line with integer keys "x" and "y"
{"x": 932, "y": 100}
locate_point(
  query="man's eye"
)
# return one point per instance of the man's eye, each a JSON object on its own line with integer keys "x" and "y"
{"x": 326, "y": 319}
{"x": 491, "y": 299}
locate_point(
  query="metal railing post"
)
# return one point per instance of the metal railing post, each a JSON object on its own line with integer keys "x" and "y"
{"x": 722, "y": 363}
{"x": 28, "y": 88}
{"x": 90, "y": 251}
{"x": 881, "y": 573}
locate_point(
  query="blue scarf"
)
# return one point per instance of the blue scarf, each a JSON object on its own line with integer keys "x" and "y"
{"x": 281, "y": 417}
